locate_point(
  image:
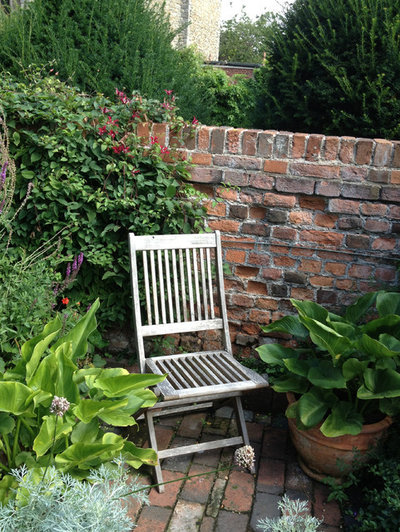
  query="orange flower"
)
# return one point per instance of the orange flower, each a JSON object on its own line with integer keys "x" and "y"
{"x": 65, "y": 301}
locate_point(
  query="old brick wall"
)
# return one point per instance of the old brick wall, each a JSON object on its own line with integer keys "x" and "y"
{"x": 302, "y": 216}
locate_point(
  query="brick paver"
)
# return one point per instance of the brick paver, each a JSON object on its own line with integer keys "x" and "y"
{"x": 230, "y": 500}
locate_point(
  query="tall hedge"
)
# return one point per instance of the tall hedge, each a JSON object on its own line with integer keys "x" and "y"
{"x": 334, "y": 68}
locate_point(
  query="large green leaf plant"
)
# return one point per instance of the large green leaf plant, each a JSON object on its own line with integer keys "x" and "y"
{"x": 99, "y": 399}
{"x": 345, "y": 370}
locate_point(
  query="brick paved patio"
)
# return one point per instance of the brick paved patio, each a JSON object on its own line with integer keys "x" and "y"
{"x": 231, "y": 500}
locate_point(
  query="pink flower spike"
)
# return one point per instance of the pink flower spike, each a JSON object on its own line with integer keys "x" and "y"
{"x": 194, "y": 121}
{"x": 169, "y": 92}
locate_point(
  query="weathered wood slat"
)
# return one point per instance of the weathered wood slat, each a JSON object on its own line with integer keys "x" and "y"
{"x": 181, "y": 327}
{"x": 153, "y": 242}
{"x": 176, "y": 287}
{"x": 210, "y": 286}
{"x": 169, "y": 288}
{"x": 190, "y": 284}
{"x": 154, "y": 287}
{"x": 161, "y": 281}
{"x": 183, "y": 285}
{"x": 203, "y": 284}
{"x": 196, "y": 284}
{"x": 147, "y": 287}
{"x": 199, "y": 447}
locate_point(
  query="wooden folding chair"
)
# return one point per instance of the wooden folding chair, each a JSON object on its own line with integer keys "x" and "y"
{"x": 183, "y": 292}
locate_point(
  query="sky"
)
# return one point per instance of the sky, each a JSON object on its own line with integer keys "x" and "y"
{"x": 253, "y": 8}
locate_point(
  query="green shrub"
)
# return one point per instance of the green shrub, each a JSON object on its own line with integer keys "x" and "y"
{"x": 334, "y": 67}
{"x": 94, "y": 181}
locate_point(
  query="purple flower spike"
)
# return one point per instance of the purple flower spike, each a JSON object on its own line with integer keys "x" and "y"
{"x": 68, "y": 271}
{"x": 80, "y": 259}
{"x": 4, "y": 172}
{"x": 74, "y": 265}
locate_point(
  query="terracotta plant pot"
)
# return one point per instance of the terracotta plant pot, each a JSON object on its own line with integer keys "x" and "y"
{"x": 321, "y": 457}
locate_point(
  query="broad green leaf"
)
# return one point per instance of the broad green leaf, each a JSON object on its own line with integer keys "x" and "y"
{"x": 29, "y": 346}
{"x": 379, "y": 384}
{"x": 386, "y": 363}
{"x": 293, "y": 383}
{"x": 375, "y": 349}
{"x": 7, "y": 484}
{"x": 136, "y": 456}
{"x": 289, "y": 325}
{"x": 344, "y": 329}
{"x": 88, "y": 409}
{"x": 26, "y": 458}
{"x": 44, "y": 377}
{"x": 118, "y": 386}
{"x": 292, "y": 411}
{"x": 355, "y": 312}
{"x": 325, "y": 375}
{"x": 46, "y": 436}
{"x": 42, "y": 398}
{"x": 311, "y": 310}
{"x": 65, "y": 385}
{"x": 353, "y": 367}
{"x": 15, "y": 398}
{"x": 389, "y": 323}
{"x": 388, "y": 303}
{"x": 312, "y": 407}
{"x": 84, "y": 455}
{"x": 344, "y": 419}
{"x": 78, "y": 335}
{"x": 327, "y": 338}
{"x": 7, "y": 423}
{"x": 37, "y": 354}
{"x": 85, "y": 432}
{"x": 390, "y": 406}
{"x": 299, "y": 367}
{"x": 390, "y": 342}
{"x": 275, "y": 353}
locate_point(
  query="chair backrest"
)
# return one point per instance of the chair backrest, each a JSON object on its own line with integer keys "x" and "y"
{"x": 181, "y": 287}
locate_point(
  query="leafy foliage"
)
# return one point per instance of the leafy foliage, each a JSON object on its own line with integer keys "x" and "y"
{"x": 294, "y": 518}
{"x": 60, "y": 502}
{"x": 94, "y": 180}
{"x": 75, "y": 442}
{"x": 333, "y": 67}
{"x": 345, "y": 371}
{"x": 244, "y": 40}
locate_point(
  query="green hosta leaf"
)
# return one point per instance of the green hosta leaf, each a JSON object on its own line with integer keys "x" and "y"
{"x": 44, "y": 440}
{"x": 7, "y": 484}
{"x": 375, "y": 349}
{"x": 325, "y": 375}
{"x": 275, "y": 353}
{"x": 37, "y": 354}
{"x": 390, "y": 406}
{"x": 311, "y": 310}
{"x": 88, "y": 409}
{"x": 344, "y": 419}
{"x": 344, "y": 329}
{"x": 313, "y": 405}
{"x": 327, "y": 338}
{"x": 15, "y": 398}
{"x": 356, "y": 311}
{"x": 389, "y": 323}
{"x": 42, "y": 398}
{"x": 29, "y": 346}
{"x": 299, "y": 367}
{"x": 7, "y": 423}
{"x": 353, "y": 367}
{"x": 386, "y": 363}
{"x": 136, "y": 456}
{"x": 388, "y": 303}
{"x": 78, "y": 335}
{"x": 65, "y": 385}
{"x": 379, "y": 384}
{"x": 390, "y": 342}
{"x": 289, "y": 325}
{"x": 85, "y": 455}
{"x": 85, "y": 432}
{"x": 117, "y": 386}
{"x": 292, "y": 411}
{"x": 292, "y": 383}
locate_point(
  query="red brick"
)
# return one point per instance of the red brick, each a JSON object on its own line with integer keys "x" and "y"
{"x": 241, "y": 242}
{"x": 239, "y": 492}
{"x": 302, "y": 293}
{"x": 374, "y": 209}
{"x": 218, "y": 140}
{"x": 345, "y": 206}
{"x": 385, "y": 274}
{"x": 282, "y": 143}
{"x": 239, "y": 314}
{"x": 358, "y": 241}
{"x": 395, "y": 177}
{"x": 260, "y": 316}
{"x": 329, "y": 512}
{"x": 266, "y": 303}
{"x": 275, "y": 167}
{"x": 376, "y": 226}
{"x": 346, "y": 153}
{"x": 228, "y": 226}
{"x": 384, "y": 243}
{"x": 242, "y": 301}
{"x": 336, "y": 268}
{"x": 168, "y": 498}
{"x": 271, "y": 475}
{"x": 201, "y": 158}
{"x": 271, "y": 273}
{"x": 250, "y": 328}
{"x": 327, "y": 188}
{"x": 279, "y": 249}
{"x": 294, "y": 185}
{"x": 261, "y": 259}
{"x": 233, "y": 285}
{"x": 233, "y": 255}
{"x": 239, "y": 211}
{"x": 331, "y": 148}
{"x": 215, "y": 209}
{"x": 314, "y": 147}
{"x": 254, "y": 287}
{"x": 379, "y": 175}
{"x": 299, "y": 145}
{"x": 320, "y": 280}
{"x": 189, "y": 137}
{"x": 233, "y": 140}
{"x": 395, "y": 212}
{"x": 205, "y": 175}
{"x": 314, "y": 170}
{"x": 354, "y": 173}
{"x": 300, "y": 217}
{"x": 364, "y": 151}
{"x": 255, "y": 229}
{"x": 236, "y": 178}
{"x": 249, "y": 142}
{"x": 321, "y": 237}
{"x": 263, "y": 181}
{"x": 345, "y": 284}
{"x": 313, "y": 266}
{"x": 302, "y": 252}
{"x": 246, "y": 271}
{"x": 360, "y": 191}
{"x": 383, "y": 150}
{"x": 208, "y": 190}
{"x": 203, "y": 138}
{"x": 360, "y": 271}
{"x": 207, "y": 524}
{"x": 266, "y": 143}
{"x": 257, "y": 213}
{"x": 284, "y": 233}
{"x": 236, "y": 161}
{"x": 278, "y": 200}
{"x": 198, "y": 489}
{"x": 160, "y": 131}
{"x": 396, "y": 155}
{"x": 153, "y": 518}
{"x": 274, "y": 445}
{"x": 143, "y": 130}
{"x": 284, "y": 261}
{"x": 325, "y": 220}
{"x": 317, "y": 204}
{"x": 227, "y": 193}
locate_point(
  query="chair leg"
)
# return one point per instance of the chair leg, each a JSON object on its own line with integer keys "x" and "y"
{"x": 153, "y": 444}
{"x": 242, "y": 424}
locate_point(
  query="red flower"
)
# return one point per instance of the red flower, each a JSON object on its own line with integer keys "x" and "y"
{"x": 102, "y": 130}
{"x": 65, "y": 301}
{"x": 154, "y": 140}
{"x": 169, "y": 92}
{"x": 164, "y": 149}
{"x": 194, "y": 121}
